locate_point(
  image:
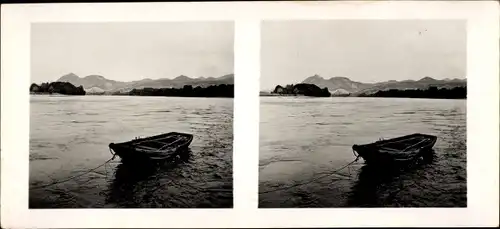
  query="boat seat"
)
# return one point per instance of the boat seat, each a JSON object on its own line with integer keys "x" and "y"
{"x": 165, "y": 146}
{"x": 390, "y": 150}
{"x": 155, "y": 140}
{"x": 146, "y": 147}
{"x": 402, "y": 140}
{"x": 163, "y": 142}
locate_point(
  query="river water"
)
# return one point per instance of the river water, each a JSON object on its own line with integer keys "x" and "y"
{"x": 69, "y": 135}
{"x": 304, "y": 140}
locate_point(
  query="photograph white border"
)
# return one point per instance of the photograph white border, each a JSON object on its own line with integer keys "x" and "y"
{"x": 482, "y": 114}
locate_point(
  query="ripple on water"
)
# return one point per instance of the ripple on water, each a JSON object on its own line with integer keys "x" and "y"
{"x": 440, "y": 182}
{"x": 80, "y": 143}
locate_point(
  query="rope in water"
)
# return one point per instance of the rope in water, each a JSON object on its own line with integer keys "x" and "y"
{"x": 73, "y": 177}
{"x": 326, "y": 175}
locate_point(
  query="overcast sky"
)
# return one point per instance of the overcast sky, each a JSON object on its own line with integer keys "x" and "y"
{"x": 131, "y": 51}
{"x": 362, "y": 50}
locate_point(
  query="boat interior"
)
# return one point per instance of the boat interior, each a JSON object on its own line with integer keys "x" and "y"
{"x": 403, "y": 144}
{"x": 160, "y": 143}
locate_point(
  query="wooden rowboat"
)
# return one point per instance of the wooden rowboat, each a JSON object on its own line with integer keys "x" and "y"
{"x": 402, "y": 149}
{"x": 154, "y": 148}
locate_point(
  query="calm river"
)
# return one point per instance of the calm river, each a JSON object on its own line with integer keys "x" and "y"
{"x": 302, "y": 140}
{"x": 69, "y": 135}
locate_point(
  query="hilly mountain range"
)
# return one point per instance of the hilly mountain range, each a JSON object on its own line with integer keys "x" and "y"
{"x": 343, "y": 85}
{"x": 99, "y": 84}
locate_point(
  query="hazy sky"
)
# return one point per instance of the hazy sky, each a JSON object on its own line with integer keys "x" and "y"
{"x": 362, "y": 50}
{"x": 131, "y": 51}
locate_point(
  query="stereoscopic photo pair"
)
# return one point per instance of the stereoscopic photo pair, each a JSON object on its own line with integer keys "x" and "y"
{"x": 353, "y": 113}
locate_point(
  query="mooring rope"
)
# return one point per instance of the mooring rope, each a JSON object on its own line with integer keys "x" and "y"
{"x": 71, "y": 178}
{"x": 300, "y": 184}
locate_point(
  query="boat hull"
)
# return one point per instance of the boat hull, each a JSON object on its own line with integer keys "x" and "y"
{"x": 131, "y": 152}
{"x": 373, "y": 153}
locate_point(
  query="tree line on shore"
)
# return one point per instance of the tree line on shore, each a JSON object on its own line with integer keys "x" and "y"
{"x": 227, "y": 90}
{"x": 431, "y": 92}
{"x": 302, "y": 89}
{"x": 221, "y": 90}
{"x": 64, "y": 88}
{"x": 315, "y": 91}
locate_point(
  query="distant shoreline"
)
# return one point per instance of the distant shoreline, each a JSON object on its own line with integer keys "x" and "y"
{"x": 374, "y": 97}
{"x": 431, "y": 92}
{"x": 66, "y": 88}
{"x": 284, "y": 95}
{"x": 124, "y": 95}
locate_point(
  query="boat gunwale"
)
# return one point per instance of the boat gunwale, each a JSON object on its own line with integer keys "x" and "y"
{"x": 139, "y": 140}
{"x": 130, "y": 150}
{"x": 401, "y": 155}
{"x": 380, "y": 143}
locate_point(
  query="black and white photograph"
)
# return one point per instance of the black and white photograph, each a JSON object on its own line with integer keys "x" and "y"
{"x": 131, "y": 115}
{"x": 363, "y": 113}
{"x": 250, "y": 114}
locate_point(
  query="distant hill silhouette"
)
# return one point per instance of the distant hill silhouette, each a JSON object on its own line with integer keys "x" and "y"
{"x": 97, "y": 83}
{"x": 422, "y": 84}
{"x": 343, "y": 85}
{"x": 91, "y": 81}
{"x": 335, "y": 83}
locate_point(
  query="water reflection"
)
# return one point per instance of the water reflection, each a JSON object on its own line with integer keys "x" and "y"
{"x": 375, "y": 180}
{"x": 134, "y": 183}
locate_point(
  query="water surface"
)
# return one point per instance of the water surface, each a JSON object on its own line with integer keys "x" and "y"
{"x": 69, "y": 135}
{"x": 303, "y": 141}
